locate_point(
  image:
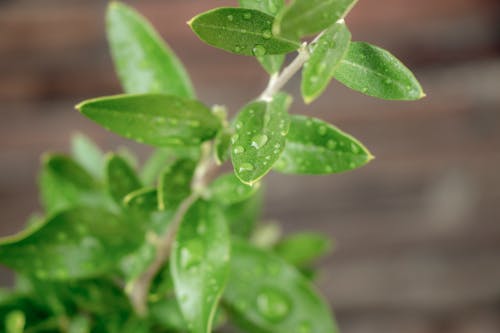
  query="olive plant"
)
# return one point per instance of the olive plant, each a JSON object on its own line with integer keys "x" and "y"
{"x": 174, "y": 246}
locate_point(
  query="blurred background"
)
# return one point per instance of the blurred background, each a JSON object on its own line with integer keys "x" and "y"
{"x": 417, "y": 230}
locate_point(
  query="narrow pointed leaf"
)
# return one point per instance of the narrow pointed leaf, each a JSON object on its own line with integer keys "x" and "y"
{"x": 325, "y": 57}
{"x": 241, "y": 31}
{"x": 145, "y": 199}
{"x": 261, "y": 129}
{"x": 76, "y": 243}
{"x": 200, "y": 264}
{"x": 228, "y": 190}
{"x": 175, "y": 183}
{"x": 316, "y": 147}
{"x": 375, "y": 72}
{"x": 265, "y": 294}
{"x": 121, "y": 178}
{"x": 88, "y": 155}
{"x": 158, "y": 120}
{"x": 307, "y": 17}
{"x": 143, "y": 61}
{"x": 302, "y": 248}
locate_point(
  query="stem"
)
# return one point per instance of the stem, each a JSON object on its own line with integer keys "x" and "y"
{"x": 139, "y": 289}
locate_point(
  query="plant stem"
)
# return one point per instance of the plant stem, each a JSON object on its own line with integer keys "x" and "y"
{"x": 139, "y": 289}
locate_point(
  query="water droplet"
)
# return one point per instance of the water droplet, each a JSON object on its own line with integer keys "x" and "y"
{"x": 352, "y": 165}
{"x": 331, "y": 144}
{"x": 230, "y": 18}
{"x": 305, "y": 327}
{"x": 259, "y": 50}
{"x": 322, "y": 130}
{"x": 160, "y": 121}
{"x": 234, "y": 138}
{"x": 354, "y": 148}
{"x": 247, "y": 16}
{"x": 202, "y": 228}
{"x": 238, "y": 150}
{"x": 267, "y": 34}
{"x": 238, "y": 125}
{"x": 246, "y": 167}
{"x": 194, "y": 123}
{"x": 365, "y": 89}
{"x": 237, "y": 49}
{"x": 259, "y": 141}
{"x": 192, "y": 254}
{"x": 273, "y": 305}
{"x": 62, "y": 236}
{"x": 309, "y": 123}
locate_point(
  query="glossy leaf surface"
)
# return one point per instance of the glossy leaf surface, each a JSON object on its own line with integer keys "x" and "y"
{"x": 143, "y": 61}
{"x": 121, "y": 178}
{"x": 375, "y": 72}
{"x": 158, "y": 120}
{"x": 222, "y": 145}
{"x": 228, "y": 190}
{"x": 316, "y": 147}
{"x": 88, "y": 155}
{"x": 145, "y": 199}
{"x": 76, "y": 243}
{"x": 242, "y": 216}
{"x": 303, "y": 248}
{"x": 241, "y": 31}
{"x": 326, "y": 55}
{"x": 267, "y": 295}
{"x": 200, "y": 264}
{"x": 307, "y": 17}
{"x": 261, "y": 129}
{"x": 175, "y": 183}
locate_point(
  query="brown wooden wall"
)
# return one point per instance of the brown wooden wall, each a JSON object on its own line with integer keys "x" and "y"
{"x": 418, "y": 230}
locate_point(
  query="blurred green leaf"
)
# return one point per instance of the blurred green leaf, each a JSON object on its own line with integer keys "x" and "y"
{"x": 76, "y": 243}
{"x": 15, "y": 322}
{"x": 267, "y": 295}
{"x": 79, "y": 324}
{"x": 272, "y": 63}
{"x": 145, "y": 199}
{"x": 302, "y": 248}
{"x": 242, "y": 216}
{"x": 241, "y": 31}
{"x": 316, "y": 147}
{"x": 307, "y": 17}
{"x": 222, "y": 145}
{"x": 88, "y": 155}
{"x": 325, "y": 57}
{"x": 228, "y": 189}
{"x": 143, "y": 61}
{"x": 375, "y": 72}
{"x": 167, "y": 314}
{"x": 121, "y": 178}
{"x": 158, "y": 120}
{"x": 200, "y": 263}
{"x": 261, "y": 129}
{"x": 175, "y": 183}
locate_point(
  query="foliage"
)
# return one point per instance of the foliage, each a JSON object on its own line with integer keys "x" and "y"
{"x": 167, "y": 248}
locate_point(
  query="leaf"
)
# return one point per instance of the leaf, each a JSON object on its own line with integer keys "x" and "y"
{"x": 272, "y": 63}
{"x": 158, "y": 120}
{"x": 228, "y": 190}
{"x": 121, "y": 178}
{"x": 325, "y": 57}
{"x": 15, "y": 322}
{"x": 261, "y": 129}
{"x": 242, "y": 217}
{"x": 200, "y": 263}
{"x": 76, "y": 243}
{"x": 145, "y": 199}
{"x": 88, "y": 155}
{"x": 271, "y": 7}
{"x": 175, "y": 183}
{"x": 79, "y": 324}
{"x": 316, "y": 147}
{"x": 241, "y": 31}
{"x": 143, "y": 61}
{"x": 375, "y": 72}
{"x": 302, "y": 248}
{"x": 267, "y": 295}
{"x": 164, "y": 157}
{"x": 222, "y": 145}
{"x": 167, "y": 314}
{"x": 63, "y": 183}
{"x": 307, "y": 17}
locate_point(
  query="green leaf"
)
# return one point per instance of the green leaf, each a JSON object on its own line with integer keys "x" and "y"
{"x": 271, "y": 7}
{"x": 164, "y": 157}
{"x": 302, "y": 248}
{"x": 121, "y": 178}
{"x": 375, "y": 72}
{"x": 79, "y": 324}
{"x": 76, "y": 243}
{"x": 143, "y": 61}
{"x": 272, "y": 63}
{"x": 200, "y": 264}
{"x": 175, "y": 183}
{"x": 167, "y": 314}
{"x": 88, "y": 155}
{"x": 63, "y": 183}
{"x": 15, "y": 322}
{"x": 228, "y": 190}
{"x": 242, "y": 217}
{"x": 307, "y": 17}
{"x": 145, "y": 199}
{"x": 325, "y": 57}
{"x": 158, "y": 120}
{"x": 222, "y": 145}
{"x": 316, "y": 147}
{"x": 267, "y": 295}
{"x": 261, "y": 129}
{"x": 241, "y": 31}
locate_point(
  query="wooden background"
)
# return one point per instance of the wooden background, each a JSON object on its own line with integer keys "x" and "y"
{"x": 418, "y": 230}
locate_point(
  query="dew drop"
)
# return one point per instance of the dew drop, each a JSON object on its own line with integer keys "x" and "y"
{"x": 238, "y": 125}
{"x": 234, "y": 138}
{"x": 305, "y": 327}
{"x": 322, "y": 130}
{"x": 247, "y": 16}
{"x": 273, "y": 305}
{"x": 192, "y": 254}
{"x": 259, "y": 141}
{"x": 388, "y": 81}
{"x": 352, "y": 165}
{"x": 230, "y": 18}
{"x": 259, "y": 50}
{"x": 237, "y": 49}
{"x": 331, "y": 144}
{"x": 238, "y": 150}
{"x": 246, "y": 167}
{"x": 267, "y": 34}
{"x": 354, "y": 148}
